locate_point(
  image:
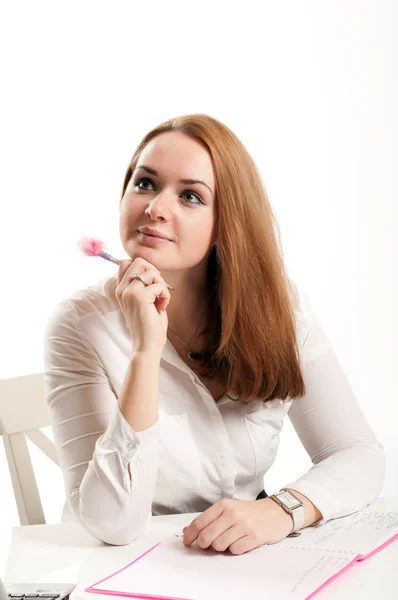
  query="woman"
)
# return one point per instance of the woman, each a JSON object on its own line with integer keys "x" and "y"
{"x": 170, "y": 401}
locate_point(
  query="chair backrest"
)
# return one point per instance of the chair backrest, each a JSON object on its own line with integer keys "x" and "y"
{"x": 23, "y": 411}
{"x": 3, "y": 591}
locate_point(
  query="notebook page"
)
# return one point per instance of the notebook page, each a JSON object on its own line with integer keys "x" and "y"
{"x": 360, "y": 532}
{"x": 172, "y": 570}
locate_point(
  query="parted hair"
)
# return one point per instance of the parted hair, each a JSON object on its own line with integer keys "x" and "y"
{"x": 250, "y": 333}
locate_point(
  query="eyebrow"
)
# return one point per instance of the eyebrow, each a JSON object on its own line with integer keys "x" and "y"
{"x": 188, "y": 181}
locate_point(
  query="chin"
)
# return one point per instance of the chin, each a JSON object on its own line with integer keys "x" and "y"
{"x": 152, "y": 255}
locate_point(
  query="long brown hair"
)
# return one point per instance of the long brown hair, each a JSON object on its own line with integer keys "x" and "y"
{"x": 250, "y": 335}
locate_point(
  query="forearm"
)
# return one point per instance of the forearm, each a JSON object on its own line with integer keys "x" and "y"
{"x": 115, "y": 496}
{"x": 344, "y": 482}
{"x": 96, "y": 444}
{"x": 113, "y": 506}
{"x": 106, "y": 510}
{"x": 138, "y": 400}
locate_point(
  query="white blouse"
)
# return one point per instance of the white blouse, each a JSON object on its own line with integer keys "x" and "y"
{"x": 198, "y": 451}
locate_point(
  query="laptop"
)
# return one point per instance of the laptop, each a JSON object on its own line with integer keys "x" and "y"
{"x": 36, "y": 591}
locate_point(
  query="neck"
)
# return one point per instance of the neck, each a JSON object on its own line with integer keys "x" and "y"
{"x": 187, "y": 308}
{"x": 186, "y": 323}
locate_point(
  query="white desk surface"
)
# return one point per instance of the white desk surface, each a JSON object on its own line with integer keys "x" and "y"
{"x": 67, "y": 553}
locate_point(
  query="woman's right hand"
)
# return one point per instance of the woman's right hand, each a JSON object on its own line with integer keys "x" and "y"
{"x": 143, "y": 307}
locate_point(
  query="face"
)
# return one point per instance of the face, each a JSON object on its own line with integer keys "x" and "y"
{"x": 184, "y": 212}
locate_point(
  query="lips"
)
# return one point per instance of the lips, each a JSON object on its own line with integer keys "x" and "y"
{"x": 154, "y": 233}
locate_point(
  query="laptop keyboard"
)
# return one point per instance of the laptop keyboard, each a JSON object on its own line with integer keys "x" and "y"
{"x": 47, "y": 596}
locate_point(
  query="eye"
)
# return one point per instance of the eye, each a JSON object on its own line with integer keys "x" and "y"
{"x": 137, "y": 183}
{"x": 191, "y": 193}
{"x": 188, "y": 192}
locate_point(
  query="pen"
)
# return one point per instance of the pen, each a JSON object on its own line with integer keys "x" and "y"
{"x": 94, "y": 247}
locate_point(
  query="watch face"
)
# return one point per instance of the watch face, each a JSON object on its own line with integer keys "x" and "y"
{"x": 288, "y": 499}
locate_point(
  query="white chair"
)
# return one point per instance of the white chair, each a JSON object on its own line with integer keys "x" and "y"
{"x": 23, "y": 411}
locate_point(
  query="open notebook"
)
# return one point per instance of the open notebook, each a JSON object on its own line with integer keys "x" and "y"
{"x": 295, "y": 568}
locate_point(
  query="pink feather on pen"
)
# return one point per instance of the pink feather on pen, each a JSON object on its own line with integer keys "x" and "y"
{"x": 94, "y": 247}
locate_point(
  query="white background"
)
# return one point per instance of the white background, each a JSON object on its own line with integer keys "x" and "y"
{"x": 309, "y": 87}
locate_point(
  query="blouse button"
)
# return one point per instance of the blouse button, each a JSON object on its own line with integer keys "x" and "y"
{"x": 131, "y": 445}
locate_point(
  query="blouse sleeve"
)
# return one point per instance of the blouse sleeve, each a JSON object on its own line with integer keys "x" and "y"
{"x": 94, "y": 442}
{"x": 349, "y": 462}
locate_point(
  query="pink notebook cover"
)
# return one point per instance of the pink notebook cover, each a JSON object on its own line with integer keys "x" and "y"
{"x": 358, "y": 558}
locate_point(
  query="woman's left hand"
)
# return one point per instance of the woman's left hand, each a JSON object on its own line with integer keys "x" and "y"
{"x": 239, "y": 525}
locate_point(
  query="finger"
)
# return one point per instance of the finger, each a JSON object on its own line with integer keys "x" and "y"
{"x": 158, "y": 295}
{"x": 228, "y": 537}
{"x": 216, "y": 529}
{"x": 140, "y": 263}
{"x": 149, "y": 276}
{"x": 244, "y": 544}
{"x": 124, "y": 265}
{"x": 127, "y": 267}
{"x": 203, "y": 520}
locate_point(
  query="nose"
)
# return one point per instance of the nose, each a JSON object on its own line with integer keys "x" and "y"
{"x": 159, "y": 207}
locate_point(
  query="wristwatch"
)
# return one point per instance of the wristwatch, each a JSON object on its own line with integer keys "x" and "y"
{"x": 293, "y": 506}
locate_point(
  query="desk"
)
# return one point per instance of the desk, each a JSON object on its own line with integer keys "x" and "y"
{"x": 67, "y": 553}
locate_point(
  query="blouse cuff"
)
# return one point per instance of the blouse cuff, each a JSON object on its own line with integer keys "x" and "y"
{"x": 325, "y": 503}
{"x": 127, "y": 441}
